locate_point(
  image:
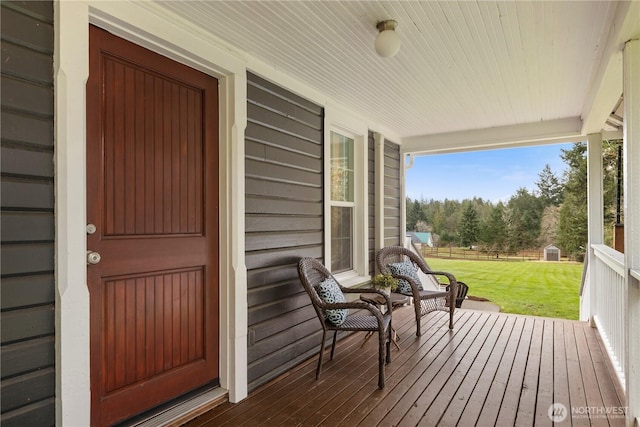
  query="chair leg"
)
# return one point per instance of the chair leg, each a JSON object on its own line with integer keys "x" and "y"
{"x": 319, "y": 368}
{"x": 451, "y": 312}
{"x": 381, "y": 346}
{"x": 418, "y": 306}
{"x": 333, "y": 345}
{"x": 389, "y": 344}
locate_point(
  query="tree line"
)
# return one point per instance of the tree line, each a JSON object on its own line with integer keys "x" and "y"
{"x": 554, "y": 213}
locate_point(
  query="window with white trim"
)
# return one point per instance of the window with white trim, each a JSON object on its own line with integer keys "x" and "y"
{"x": 346, "y": 221}
{"x": 343, "y": 204}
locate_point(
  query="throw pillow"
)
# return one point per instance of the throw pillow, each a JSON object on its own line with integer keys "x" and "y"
{"x": 329, "y": 292}
{"x": 405, "y": 269}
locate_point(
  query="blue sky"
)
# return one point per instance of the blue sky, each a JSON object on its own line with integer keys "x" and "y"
{"x": 493, "y": 175}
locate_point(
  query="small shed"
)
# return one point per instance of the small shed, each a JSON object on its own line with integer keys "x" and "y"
{"x": 551, "y": 253}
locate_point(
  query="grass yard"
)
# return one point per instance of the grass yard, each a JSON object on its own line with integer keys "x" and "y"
{"x": 549, "y": 289}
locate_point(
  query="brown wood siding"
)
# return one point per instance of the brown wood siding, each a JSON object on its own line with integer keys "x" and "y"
{"x": 392, "y": 194}
{"x": 27, "y": 221}
{"x": 284, "y": 221}
{"x": 371, "y": 182}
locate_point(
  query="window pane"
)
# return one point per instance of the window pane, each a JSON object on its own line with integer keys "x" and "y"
{"x": 341, "y": 168}
{"x": 341, "y": 239}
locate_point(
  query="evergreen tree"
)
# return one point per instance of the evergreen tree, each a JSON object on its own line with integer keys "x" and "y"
{"x": 494, "y": 229}
{"x": 549, "y": 187}
{"x": 469, "y": 226}
{"x": 572, "y": 227}
{"x": 524, "y": 214}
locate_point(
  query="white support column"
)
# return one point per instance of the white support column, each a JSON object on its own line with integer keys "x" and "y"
{"x": 379, "y": 183}
{"x": 595, "y": 209}
{"x": 73, "y": 393}
{"x": 233, "y": 310}
{"x": 631, "y": 153}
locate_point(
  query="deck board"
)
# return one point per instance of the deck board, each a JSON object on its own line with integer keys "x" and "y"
{"x": 492, "y": 369}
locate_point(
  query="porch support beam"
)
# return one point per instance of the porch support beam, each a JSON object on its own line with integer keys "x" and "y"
{"x": 631, "y": 150}
{"x": 561, "y": 130}
{"x": 595, "y": 209}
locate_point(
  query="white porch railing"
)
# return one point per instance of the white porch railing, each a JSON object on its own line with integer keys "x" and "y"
{"x": 610, "y": 310}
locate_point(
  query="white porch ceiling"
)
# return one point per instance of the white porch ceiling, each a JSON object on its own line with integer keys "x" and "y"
{"x": 463, "y": 66}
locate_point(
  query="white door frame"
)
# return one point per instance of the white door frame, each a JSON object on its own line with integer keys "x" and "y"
{"x": 139, "y": 23}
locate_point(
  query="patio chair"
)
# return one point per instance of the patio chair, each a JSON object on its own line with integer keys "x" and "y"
{"x": 335, "y": 316}
{"x": 404, "y": 264}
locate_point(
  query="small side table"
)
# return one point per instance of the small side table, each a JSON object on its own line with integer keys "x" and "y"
{"x": 378, "y": 300}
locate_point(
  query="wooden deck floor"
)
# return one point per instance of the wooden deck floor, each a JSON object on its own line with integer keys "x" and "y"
{"x": 493, "y": 369}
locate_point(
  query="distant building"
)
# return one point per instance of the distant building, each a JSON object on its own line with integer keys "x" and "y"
{"x": 551, "y": 253}
{"x": 420, "y": 238}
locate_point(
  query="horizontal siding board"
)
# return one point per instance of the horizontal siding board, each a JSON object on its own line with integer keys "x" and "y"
{"x": 261, "y": 97}
{"x": 391, "y": 149}
{"x": 285, "y": 358}
{"x": 27, "y": 194}
{"x": 41, "y": 414}
{"x": 26, "y": 258}
{"x": 27, "y": 356}
{"x": 276, "y": 155}
{"x": 24, "y": 96}
{"x": 27, "y": 323}
{"x": 392, "y": 240}
{"x": 275, "y": 343}
{"x": 277, "y": 308}
{"x": 27, "y": 226}
{"x": 282, "y": 190}
{"x": 272, "y": 327}
{"x": 280, "y": 273}
{"x": 255, "y": 80}
{"x": 261, "y": 259}
{"x": 262, "y": 241}
{"x": 27, "y": 291}
{"x": 264, "y": 294}
{"x": 274, "y": 172}
{"x": 261, "y": 115}
{"x": 261, "y": 205}
{"x": 26, "y": 30}
{"x": 276, "y": 223}
{"x": 26, "y": 129}
{"x": 26, "y": 63}
{"x": 269, "y": 136}
{"x": 33, "y": 387}
{"x": 42, "y": 10}
{"x": 18, "y": 161}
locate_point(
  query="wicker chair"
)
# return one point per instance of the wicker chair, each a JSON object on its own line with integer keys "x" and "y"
{"x": 424, "y": 301}
{"x": 312, "y": 272}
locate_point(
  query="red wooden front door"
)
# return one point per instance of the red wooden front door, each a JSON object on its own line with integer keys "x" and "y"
{"x": 152, "y": 194}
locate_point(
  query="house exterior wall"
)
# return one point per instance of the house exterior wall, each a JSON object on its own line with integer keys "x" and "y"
{"x": 392, "y": 194}
{"x": 28, "y": 290}
{"x": 371, "y": 188}
{"x": 284, "y": 220}
{"x": 145, "y": 24}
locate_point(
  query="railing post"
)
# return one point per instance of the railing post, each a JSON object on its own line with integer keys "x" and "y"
{"x": 631, "y": 91}
{"x": 595, "y": 212}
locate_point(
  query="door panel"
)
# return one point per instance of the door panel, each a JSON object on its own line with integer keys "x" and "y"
{"x": 152, "y": 157}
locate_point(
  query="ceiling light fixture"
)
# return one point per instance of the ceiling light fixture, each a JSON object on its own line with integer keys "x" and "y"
{"x": 387, "y": 41}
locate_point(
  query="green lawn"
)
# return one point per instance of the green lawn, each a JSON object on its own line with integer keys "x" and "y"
{"x": 549, "y": 289}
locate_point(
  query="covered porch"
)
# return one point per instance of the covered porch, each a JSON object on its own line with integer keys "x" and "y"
{"x": 492, "y": 369}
